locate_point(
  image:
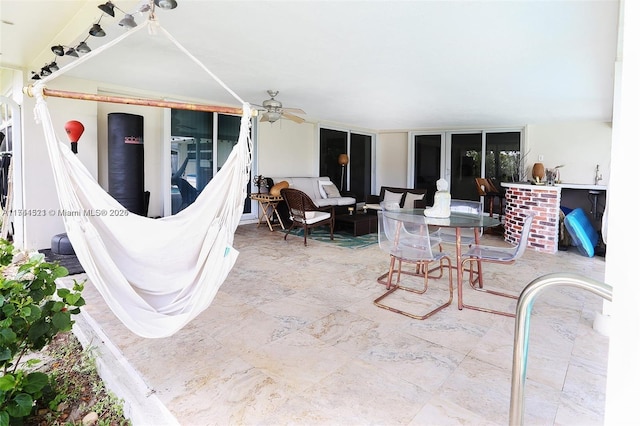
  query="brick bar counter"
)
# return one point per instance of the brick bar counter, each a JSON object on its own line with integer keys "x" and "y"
{"x": 545, "y": 201}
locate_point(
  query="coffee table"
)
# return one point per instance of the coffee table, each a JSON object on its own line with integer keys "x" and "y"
{"x": 359, "y": 223}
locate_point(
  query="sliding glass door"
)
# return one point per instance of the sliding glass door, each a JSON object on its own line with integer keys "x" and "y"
{"x": 200, "y": 144}
{"x": 465, "y": 165}
{"x": 355, "y": 176}
{"x": 332, "y": 144}
{"x": 460, "y": 157}
{"x": 428, "y": 162}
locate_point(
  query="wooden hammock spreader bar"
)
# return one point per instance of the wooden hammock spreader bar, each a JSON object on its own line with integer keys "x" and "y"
{"x": 135, "y": 101}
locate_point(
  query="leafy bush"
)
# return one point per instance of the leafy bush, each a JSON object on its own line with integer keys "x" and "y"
{"x": 32, "y": 312}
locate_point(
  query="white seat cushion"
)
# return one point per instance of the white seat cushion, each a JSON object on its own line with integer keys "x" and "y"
{"x": 315, "y": 217}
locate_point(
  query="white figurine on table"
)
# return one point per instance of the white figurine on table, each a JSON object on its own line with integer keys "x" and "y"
{"x": 441, "y": 201}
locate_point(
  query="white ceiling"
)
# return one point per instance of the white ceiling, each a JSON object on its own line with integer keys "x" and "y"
{"x": 377, "y": 65}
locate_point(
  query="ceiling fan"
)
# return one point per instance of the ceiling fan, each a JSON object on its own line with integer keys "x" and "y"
{"x": 273, "y": 110}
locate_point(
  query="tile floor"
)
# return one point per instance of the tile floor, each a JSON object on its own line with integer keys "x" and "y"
{"x": 293, "y": 338}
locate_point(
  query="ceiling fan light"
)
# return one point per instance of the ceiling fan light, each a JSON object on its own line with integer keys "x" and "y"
{"x": 83, "y": 48}
{"x": 272, "y": 117}
{"x": 166, "y": 4}
{"x": 58, "y": 50}
{"x": 45, "y": 71}
{"x": 108, "y": 8}
{"x": 128, "y": 21}
{"x": 71, "y": 52}
{"x": 97, "y": 31}
{"x": 53, "y": 66}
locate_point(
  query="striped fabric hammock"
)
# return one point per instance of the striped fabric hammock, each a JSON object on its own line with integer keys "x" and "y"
{"x": 156, "y": 275}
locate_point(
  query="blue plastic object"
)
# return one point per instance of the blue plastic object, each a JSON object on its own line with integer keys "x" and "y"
{"x": 583, "y": 234}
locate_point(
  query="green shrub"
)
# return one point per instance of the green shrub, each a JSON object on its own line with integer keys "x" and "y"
{"x": 32, "y": 312}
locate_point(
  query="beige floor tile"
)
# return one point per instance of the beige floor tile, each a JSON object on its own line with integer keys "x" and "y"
{"x": 293, "y": 338}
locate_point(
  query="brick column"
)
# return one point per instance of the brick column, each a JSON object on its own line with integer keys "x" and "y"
{"x": 545, "y": 201}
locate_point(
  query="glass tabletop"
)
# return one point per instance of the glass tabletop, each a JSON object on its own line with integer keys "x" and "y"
{"x": 455, "y": 220}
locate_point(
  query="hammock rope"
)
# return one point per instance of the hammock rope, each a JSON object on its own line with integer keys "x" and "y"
{"x": 156, "y": 275}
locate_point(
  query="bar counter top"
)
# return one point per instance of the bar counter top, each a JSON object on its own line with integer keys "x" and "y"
{"x": 560, "y": 186}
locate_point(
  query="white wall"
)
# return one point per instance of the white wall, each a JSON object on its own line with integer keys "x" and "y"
{"x": 39, "y": 192}
{"x": 578, "y": 146}
{"x": 624, "y": 348}
{"x": 286, "y": 148}
{"x": 391, "y": 160}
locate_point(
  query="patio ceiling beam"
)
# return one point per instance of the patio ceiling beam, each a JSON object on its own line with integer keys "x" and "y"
{"x": 136, "y": 101}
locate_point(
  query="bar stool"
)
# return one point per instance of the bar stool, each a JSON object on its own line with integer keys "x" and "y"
{"x": 488, "y": 190}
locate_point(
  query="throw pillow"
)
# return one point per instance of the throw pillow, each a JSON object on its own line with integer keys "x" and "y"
{"x": 392, "y": 197}
{"x": 332, "y": 191}
{"x": 410, "y": 198}
{"x": 321, "y": 184}
{"x": 275, "y": 189}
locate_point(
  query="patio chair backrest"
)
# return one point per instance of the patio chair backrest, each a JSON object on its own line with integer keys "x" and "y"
{"x": 404, "y": 235}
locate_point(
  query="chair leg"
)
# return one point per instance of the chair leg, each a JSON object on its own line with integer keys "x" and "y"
{"x": 481, "y": 288}
{"x": 426, "y": 285}
{"x": 288, "y": 230}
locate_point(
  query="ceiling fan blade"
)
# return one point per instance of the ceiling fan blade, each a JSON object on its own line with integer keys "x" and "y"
{"x": 264, "y": 117}
{"x": 295, "y": 110}
{"x": 293, "y": 117}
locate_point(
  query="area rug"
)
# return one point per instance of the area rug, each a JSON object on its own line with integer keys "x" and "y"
{"x": 340, "y": 238}
{"x": 69, "y": 261}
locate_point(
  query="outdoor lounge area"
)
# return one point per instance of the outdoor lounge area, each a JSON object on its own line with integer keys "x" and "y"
{"x": 306, "y": 345}
{"x": 201, "y": 312}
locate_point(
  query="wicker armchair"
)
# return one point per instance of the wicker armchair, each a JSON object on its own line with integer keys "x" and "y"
{"x": 305, "y": 214}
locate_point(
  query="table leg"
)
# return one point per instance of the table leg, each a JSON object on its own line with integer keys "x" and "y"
{"x": 275, "y": 210}
{"x": 264, "y": 208}
{"x": 270, "y": 214}
{"x": 459, "y": 266}
{"x": 262, "y": 213}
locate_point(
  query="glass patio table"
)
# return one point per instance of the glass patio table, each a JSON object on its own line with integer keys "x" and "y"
{"x": 458, "y": 221}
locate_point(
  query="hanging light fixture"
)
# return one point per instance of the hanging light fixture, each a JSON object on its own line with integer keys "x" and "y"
{"x": 97, "y": 31}
{"x": 272, "y": 116}
{"x": 58, "y": 50}
{"x": 128, "y": 21}
{"x": 71, "y": 52}
{"x": 108, "y": 8}
{"x": 83, "y": 47}
{"x": 45, "y": 71}
{"x": 166, "y": 4}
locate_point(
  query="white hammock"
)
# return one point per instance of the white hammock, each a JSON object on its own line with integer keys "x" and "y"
{"x": 155, "y": 274}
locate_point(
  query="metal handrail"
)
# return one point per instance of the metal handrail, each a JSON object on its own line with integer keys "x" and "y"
{"x": 521, "y": 337}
